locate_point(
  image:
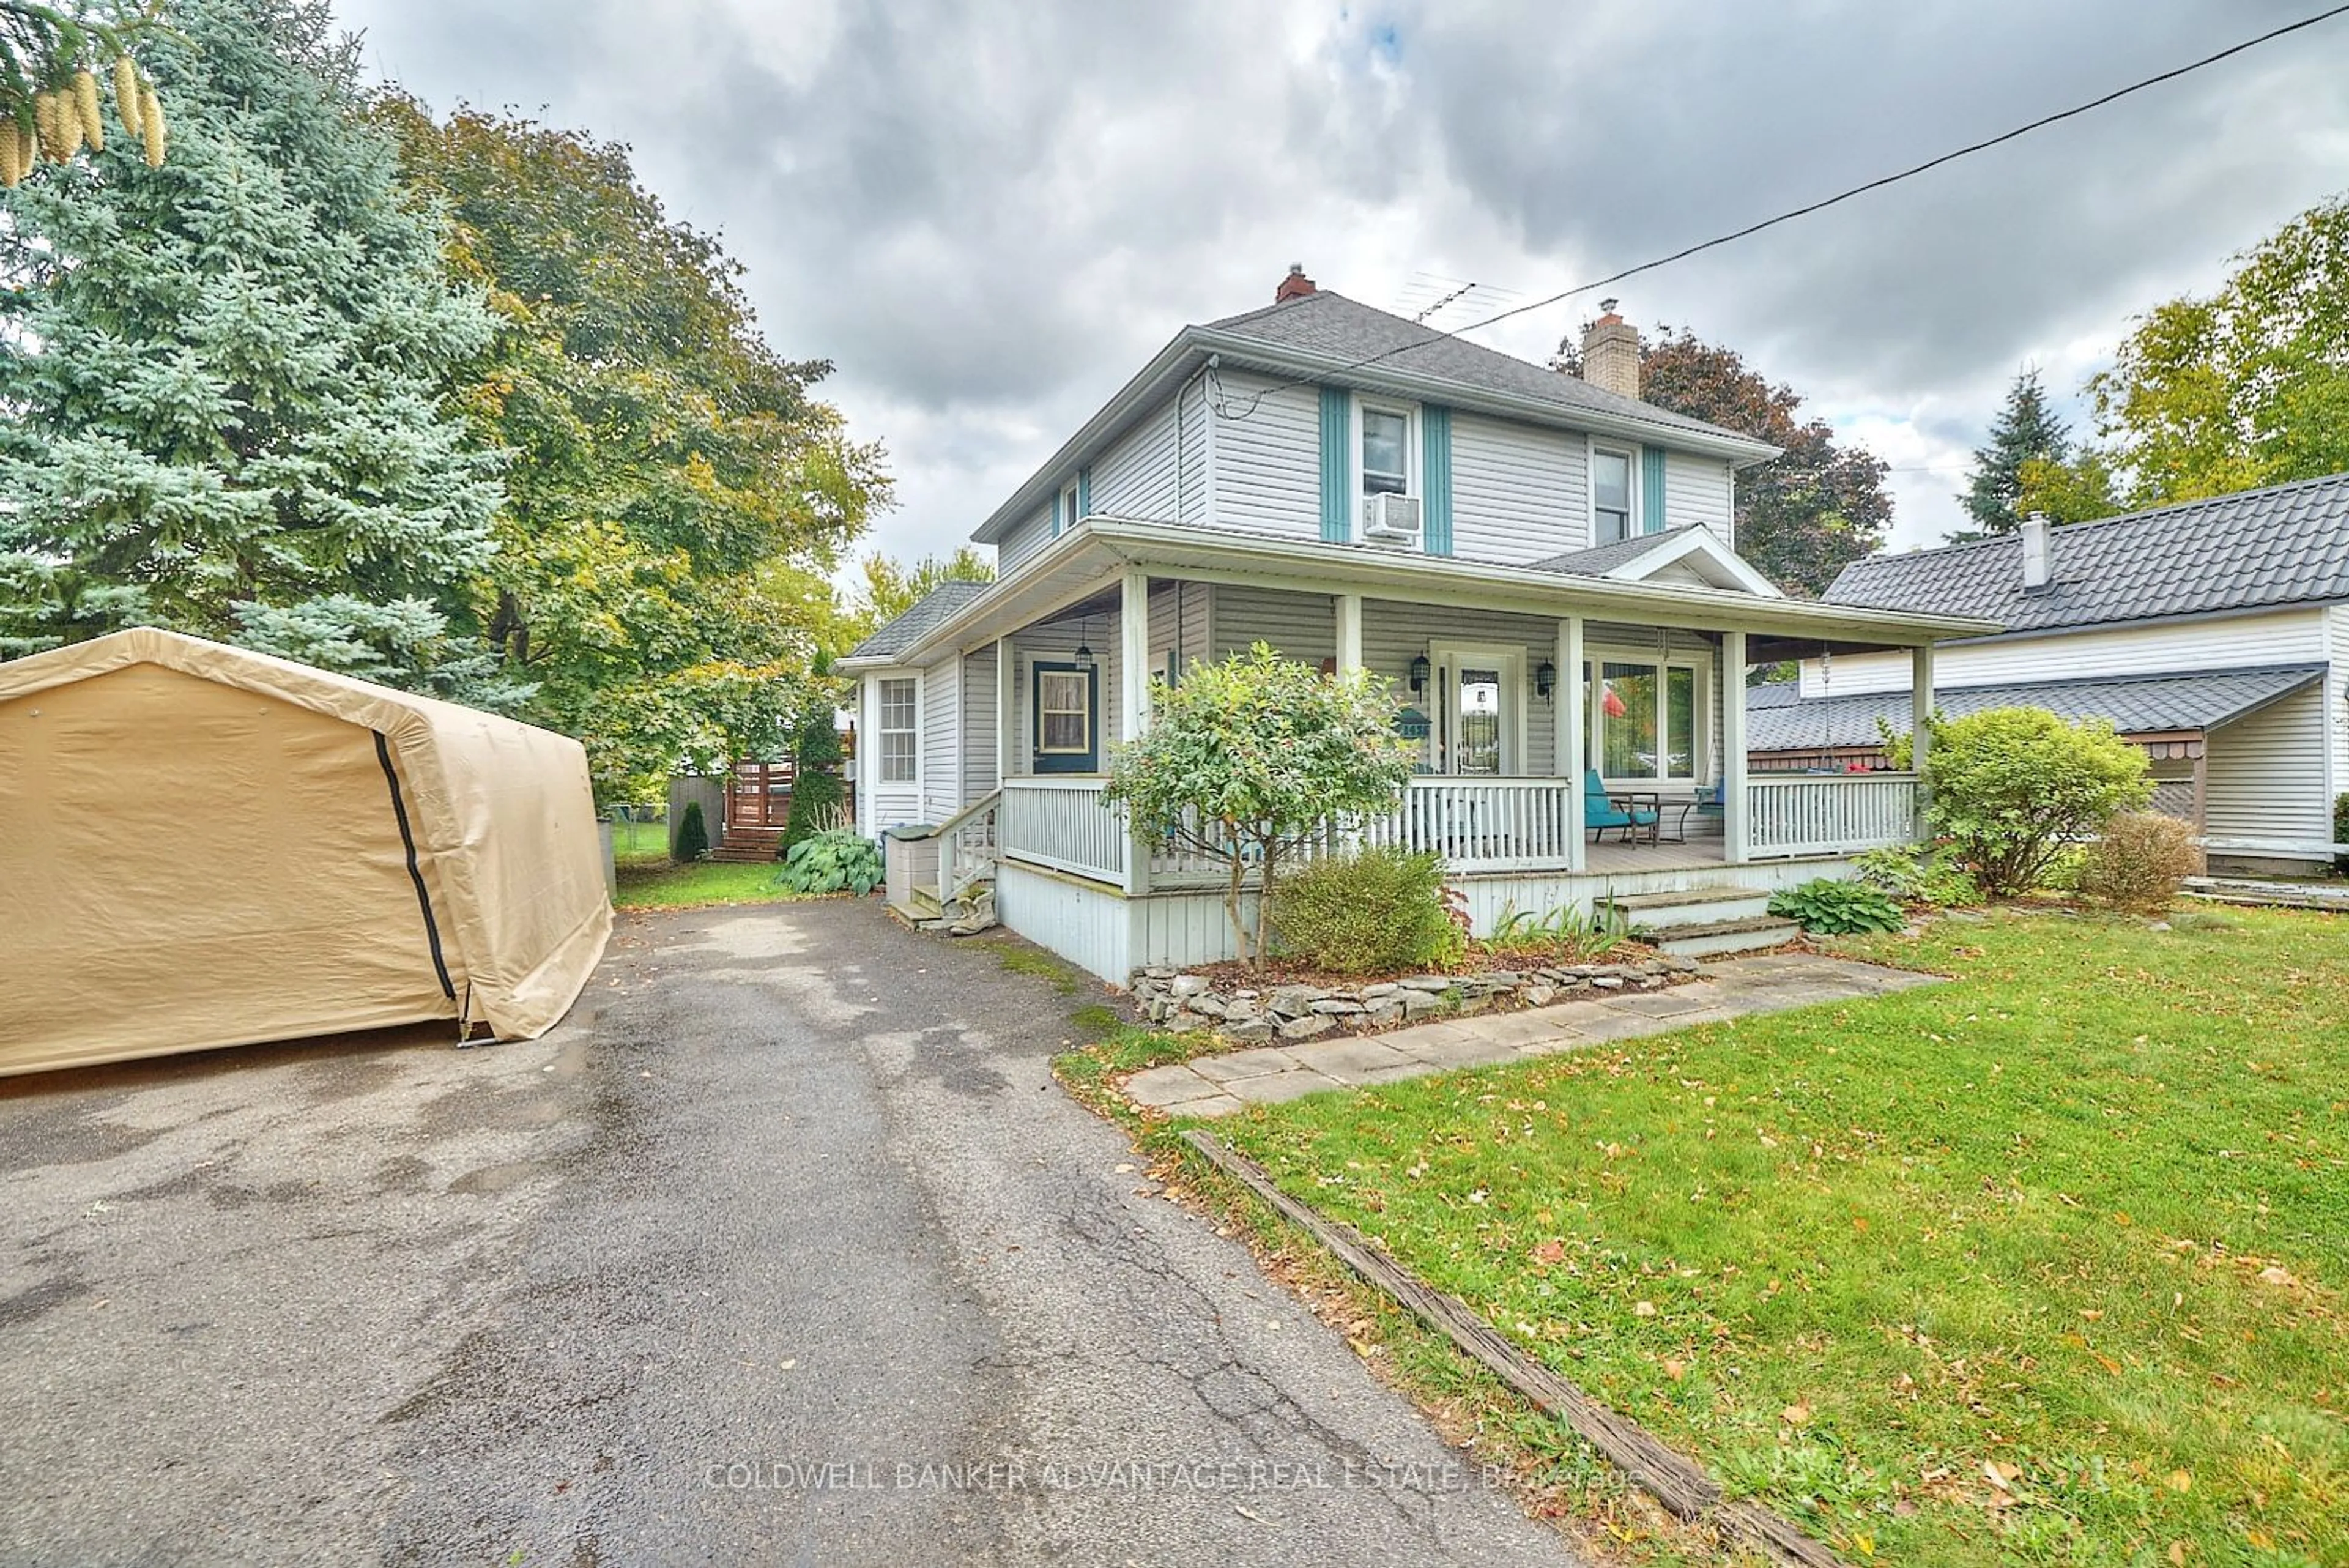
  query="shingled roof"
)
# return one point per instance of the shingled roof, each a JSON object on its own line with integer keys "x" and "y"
{"x": 908, "y": 628}
{"x": 1600, "y": 559}
{"x": 2283, "y": 546}
{"x": 1329, "y": 323}
{"x": 2137, "y": 705}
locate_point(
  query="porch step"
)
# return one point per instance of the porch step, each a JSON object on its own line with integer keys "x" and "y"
{"x": 1715, "y": 903}
{"x": 923, "y": 902}
{"x": 747, "y": 846}
{"x": 1720, "y": 936}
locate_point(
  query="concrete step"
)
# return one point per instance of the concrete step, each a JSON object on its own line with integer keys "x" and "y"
{"x": 1726, "y": 937}
{"x": 1714, "y": 904}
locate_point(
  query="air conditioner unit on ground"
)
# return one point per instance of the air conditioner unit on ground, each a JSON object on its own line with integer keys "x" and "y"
{"x": 1390, "y": 519}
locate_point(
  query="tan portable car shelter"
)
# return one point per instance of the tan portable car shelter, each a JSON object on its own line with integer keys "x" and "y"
{"x": 203, "y": 846}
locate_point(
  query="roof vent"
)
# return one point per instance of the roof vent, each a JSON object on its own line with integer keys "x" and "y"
{"x": 2034, "y": 531}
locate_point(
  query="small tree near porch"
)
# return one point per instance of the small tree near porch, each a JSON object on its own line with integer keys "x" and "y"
{"x": 1251, "y": 759}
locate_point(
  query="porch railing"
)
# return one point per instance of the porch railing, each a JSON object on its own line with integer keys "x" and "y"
{"x": 1484, "y": 825}
{"x": 1829, "y": 815}
{"x": 1475, "y": 824}
{"x": 1062, "y": 824}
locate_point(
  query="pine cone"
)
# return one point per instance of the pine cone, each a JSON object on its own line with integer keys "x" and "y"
{"x": 11, "y": 146}
{"x": 84, "y": 100}
{"x": 126, "y": 93}
{"x": 151, "y": 125}
{"x": 47, "y": 111}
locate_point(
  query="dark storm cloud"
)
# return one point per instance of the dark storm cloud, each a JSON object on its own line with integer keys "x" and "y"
{"x": 988, "y": 216}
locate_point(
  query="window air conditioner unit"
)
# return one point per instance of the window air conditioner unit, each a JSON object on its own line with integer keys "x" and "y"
{"x": 1390, "y": 519}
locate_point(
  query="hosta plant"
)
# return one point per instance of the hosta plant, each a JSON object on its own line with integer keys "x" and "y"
{"x": 840, "y": 861}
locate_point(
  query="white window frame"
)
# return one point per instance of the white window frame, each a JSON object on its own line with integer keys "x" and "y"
{"x": 1088, "y": 681}
{"x": 1593, "y": 448}
{"x": 1410, "y": 455}
{"x": 881, "y": 729}
{"x": 1065, "y": 516}
{"x": 1701, "y": 715}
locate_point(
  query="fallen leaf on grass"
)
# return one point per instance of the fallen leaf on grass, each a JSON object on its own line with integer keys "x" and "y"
{"x": 2180, "y": 1481}
{"x": 1551, "y": 1253}
{"x": 1644, "y": 1309}
{"x": 2275, "y": 1275}
{"x": 1797, "y": 1413}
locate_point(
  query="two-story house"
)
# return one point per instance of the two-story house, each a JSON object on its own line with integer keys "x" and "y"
{"x": 1542, "y": 565}
{"x": 2214, "y": 634}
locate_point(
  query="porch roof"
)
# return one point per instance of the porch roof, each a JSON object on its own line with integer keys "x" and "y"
{"x": 1082, "y": 560}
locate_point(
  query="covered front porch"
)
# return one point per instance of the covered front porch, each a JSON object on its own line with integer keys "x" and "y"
{"x": 1575, "y": 736}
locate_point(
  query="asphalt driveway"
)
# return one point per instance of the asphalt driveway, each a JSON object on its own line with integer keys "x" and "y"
{"x": 784, "y": 1248}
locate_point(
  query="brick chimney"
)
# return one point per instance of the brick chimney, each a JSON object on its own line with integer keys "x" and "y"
{"x": 1296, "y": 285}
{"x": 1610, "y": 353}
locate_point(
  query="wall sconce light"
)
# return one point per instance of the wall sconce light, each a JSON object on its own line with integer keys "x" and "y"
{"x": 1420, "y": 669}
{"x": 1546, "y": 679}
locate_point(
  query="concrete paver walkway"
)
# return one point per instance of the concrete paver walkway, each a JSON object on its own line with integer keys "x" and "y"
{"x": 1217, "y": 1086}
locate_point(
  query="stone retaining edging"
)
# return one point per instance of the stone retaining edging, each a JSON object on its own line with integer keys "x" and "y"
{"x": 1184, "y": 1002}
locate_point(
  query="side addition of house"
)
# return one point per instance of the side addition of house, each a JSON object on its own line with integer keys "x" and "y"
{"x": 2214, "y": 634}
{"x": 1543, "y": 566}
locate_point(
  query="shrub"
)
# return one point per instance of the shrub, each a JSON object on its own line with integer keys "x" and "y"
{"x": 1919, "y": 875}
{"x": 2139, "y": 861}
{"x": 1371, "y": 911}
{"x": 1251, "y": 759}
{"x": 692, "y": 836}
{"x": 2009, "y": 786}
{"x": 816, "y": 789}
{"x": 1839, "y": 908}
{"x": 841, "y": 861}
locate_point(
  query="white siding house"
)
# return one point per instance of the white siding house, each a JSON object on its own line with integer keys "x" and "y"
{"x": 1539, "y": 566}
{"x": 2214, "y": 633}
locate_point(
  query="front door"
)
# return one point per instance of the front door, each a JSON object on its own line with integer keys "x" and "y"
{"x": 1064, "y": 717}
{"x": 1482, "y": 695}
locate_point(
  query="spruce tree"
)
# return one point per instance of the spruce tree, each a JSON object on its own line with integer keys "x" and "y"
{"x": 2027, "y": 430}
{"x": 226, "y": 375}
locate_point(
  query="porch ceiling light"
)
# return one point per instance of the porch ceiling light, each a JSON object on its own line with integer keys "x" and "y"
{"x": 1084, "y": 647}
{"x": 1546, "y": 679}
{"x": 1419, "y": 670}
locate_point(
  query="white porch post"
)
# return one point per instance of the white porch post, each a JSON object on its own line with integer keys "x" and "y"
{"x": 1566, "y": 737}
{"x": 1007, "y": 709}
{"x": 1735, "y": 795}
{"x": 1349, "y": 631}
{"x": 1921, "y": 709}
{"x": 1133, "y": 697}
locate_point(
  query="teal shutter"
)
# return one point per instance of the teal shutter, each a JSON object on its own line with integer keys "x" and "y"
{"x": 1651, "y": 489}
{"x": 1336, "y": 466}
{"x": 1435, "y": 478}
{"x": 1085, "y": 491}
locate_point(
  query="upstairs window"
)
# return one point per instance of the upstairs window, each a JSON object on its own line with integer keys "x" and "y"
{"x": 1386, "y": 452}
{"x": 1065, "y": 514}
{"x": 897, "y": 743}
{"x": 1611, "y": 496}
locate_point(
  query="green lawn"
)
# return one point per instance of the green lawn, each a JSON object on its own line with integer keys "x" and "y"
{"x": 2076, "y": 1225}
{"x": 648, "y": 880}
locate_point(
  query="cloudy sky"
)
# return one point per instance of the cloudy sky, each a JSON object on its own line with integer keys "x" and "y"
{"x": 988, "y": 215}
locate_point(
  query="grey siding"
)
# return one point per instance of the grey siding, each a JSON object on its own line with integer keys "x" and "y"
{"x": 1029, "y": 536}
{"x": 941, "y": 759}
{"x": 978, "y": 723}
{"x": 2336, "y": 702}
{"x": 1194, "y": 444}
{"x": 1696, "y": 490}
{"x": 1180, "y": 621}
{"x": 1268, "y": 464}
{"x": 1134, "y": 476}
{"x": 1395, "y": 634}
{"x": 1302, "y": 627}
{"x": 1519, "y": 492}
{"x": 2267, "y": 773}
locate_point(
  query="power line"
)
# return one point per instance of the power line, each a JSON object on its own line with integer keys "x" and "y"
{"x": 1820, "y": 205}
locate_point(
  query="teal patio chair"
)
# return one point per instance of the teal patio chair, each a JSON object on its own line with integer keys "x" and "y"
{"x": 1599, "y": 812}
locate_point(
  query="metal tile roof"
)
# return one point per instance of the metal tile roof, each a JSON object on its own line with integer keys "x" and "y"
{"x": 1331, "y": 324}
{"x": 929, "y": 610}
{"x": 2137, "y": 705}
{"x": 1600, "y": 559}
{"x": 2285, "y": 544}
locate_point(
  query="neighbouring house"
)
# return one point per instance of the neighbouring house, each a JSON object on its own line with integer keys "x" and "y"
{"x": 2215, "y": 634}
{"x": 1543, "y": 566}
